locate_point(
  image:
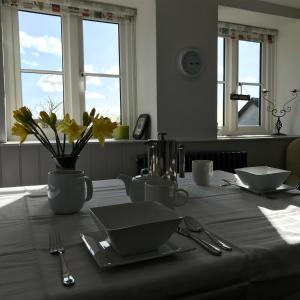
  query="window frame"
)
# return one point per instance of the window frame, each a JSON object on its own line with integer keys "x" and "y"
{"x": 267, "y": 75}
{"x": 223, "y": 83}
{"x": 72, "y": 68}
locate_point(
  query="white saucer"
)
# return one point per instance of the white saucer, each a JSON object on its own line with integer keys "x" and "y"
{"x": 105, "y": 256}
{"x": 281, "y": 188}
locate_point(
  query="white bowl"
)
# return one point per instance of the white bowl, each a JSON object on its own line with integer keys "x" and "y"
{"x": 139, "y": 227}
{"x": 262, "y": 178}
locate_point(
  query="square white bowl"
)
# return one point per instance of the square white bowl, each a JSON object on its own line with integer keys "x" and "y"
{"x": 134, "y": 228}
{"x": 262, "y": 178}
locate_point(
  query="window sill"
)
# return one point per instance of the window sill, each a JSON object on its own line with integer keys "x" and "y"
{"x": 255, "y": 137}
{"x": 228, "y": 138}
{"x": 132, "y": 141}
{"x": 93, "y": 141}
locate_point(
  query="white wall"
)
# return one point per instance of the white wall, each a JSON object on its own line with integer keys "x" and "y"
{"x": 183, "y": 108}
{"x": 287, "y": 58}
{"x": 145, "y": 55}
{"x": 288, "y": 76}
{"x": 186, "y": 107}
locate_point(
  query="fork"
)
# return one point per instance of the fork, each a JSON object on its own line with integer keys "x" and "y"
{"x": 56, "y": 247}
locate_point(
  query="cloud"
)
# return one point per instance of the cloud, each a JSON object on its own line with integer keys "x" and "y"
{"x": 50, "y": 83}
{"x": 92, "y": 80}
{"x": 112, "y": 70}
{"x": 249, "y": 79}
{"x": 30, "y": 63}
{"x": 46, "y": 44}
{"x": 97, "y": 80}
{"x": 89, "y": 69}
{"x": 94, "y": 95}
{"x": 35, "y": 54}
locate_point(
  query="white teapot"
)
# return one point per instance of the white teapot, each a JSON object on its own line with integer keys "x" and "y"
{"x": 135, "y": 186}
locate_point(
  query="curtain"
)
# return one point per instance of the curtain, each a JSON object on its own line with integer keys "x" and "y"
{"x": 85, "y": 9}
{"x": 247, "y": 33}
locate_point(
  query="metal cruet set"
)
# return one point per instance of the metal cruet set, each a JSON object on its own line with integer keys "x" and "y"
{"x": 165, "y": 157}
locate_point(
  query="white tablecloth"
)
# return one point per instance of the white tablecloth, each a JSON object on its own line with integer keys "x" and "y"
{"x": 264, "y": 263}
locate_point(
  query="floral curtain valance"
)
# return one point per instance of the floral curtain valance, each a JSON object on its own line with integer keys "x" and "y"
{"x": 85, "y": 9}
{"x": 248, "y": 33}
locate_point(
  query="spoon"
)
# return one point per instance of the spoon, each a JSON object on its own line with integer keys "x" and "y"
{"x": 195, "y": 226}
{"x": 207, "y": 246}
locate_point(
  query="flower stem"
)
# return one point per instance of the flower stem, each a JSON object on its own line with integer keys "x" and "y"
{"x": 39, "y": 137}
{"x": 50, "y": 149}
{"x": 58, "y": 144}
{"x": 42, "y": 134}
{"x": 82, "y": 142}
{"x": 64, "y": 145}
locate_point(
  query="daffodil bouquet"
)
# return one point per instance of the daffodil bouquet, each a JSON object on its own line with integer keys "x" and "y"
{"x": 68, "y": 129}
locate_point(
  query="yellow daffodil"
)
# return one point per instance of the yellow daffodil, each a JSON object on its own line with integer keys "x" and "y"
{"x": 92, "y": 113}
{"x": 64, "y": 124}
{"x": 102, "y": 128}
{"x": 45, "y": 117}
{"x": 25, "y": 111}
{"x": 48, "y": 119}
{"x": 71, "y": 129}
{"x": 53, "y": 120}
{"x": 21, "y": 131}
{"x": 23, "y": 115}
{"x": 86, "y": 119}
{"x": 92, "y": 126}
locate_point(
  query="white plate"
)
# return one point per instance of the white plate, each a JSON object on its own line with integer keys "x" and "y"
{"x": 105, "y": 256}
{"x": 281, "y": 188}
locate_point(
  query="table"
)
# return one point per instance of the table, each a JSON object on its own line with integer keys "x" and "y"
{"x": 264, "y": 234}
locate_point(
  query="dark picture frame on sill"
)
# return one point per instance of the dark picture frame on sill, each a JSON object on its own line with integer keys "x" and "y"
{"x": 141, "y": 128}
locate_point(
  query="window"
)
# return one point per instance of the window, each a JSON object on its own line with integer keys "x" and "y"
{"x": 41, "y": 70}
{"x": 101, "y": 68}
{"x": 246, "y": 67}
{"x": 69, "y": 59}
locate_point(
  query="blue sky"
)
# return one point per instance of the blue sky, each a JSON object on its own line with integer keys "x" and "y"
{"x": 41, "y": 49}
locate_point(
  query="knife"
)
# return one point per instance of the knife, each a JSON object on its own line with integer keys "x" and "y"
{"x": 194, "y": 225}
{"x": 207, "y": 246}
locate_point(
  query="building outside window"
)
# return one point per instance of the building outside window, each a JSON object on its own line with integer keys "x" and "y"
{"x": 246, "y": 57}
{"x": 69, "y": 59}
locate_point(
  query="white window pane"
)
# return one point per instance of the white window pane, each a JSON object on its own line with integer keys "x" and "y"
{"x": 249, "y": 111}
{"x": 220, "y": 59}
{"x": 40, "y": 41}
{"x": 43, "y": 92}
{"x": 220, "y": 106}
{"x": 249, "y": 62}
{"x": 103, "y": 94}
{"x": 101, "y": 47}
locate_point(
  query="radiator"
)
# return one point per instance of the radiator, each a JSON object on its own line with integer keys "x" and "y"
{"x": 223, "y": 160}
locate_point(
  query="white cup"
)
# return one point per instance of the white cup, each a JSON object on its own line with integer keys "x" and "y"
{"x": 68, "y": 190}
{"x": 202, "y": 171}
{"x": 166, "y": 193}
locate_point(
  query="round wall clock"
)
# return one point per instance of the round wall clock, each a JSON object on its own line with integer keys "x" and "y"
{"x": 189, "y": 62}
